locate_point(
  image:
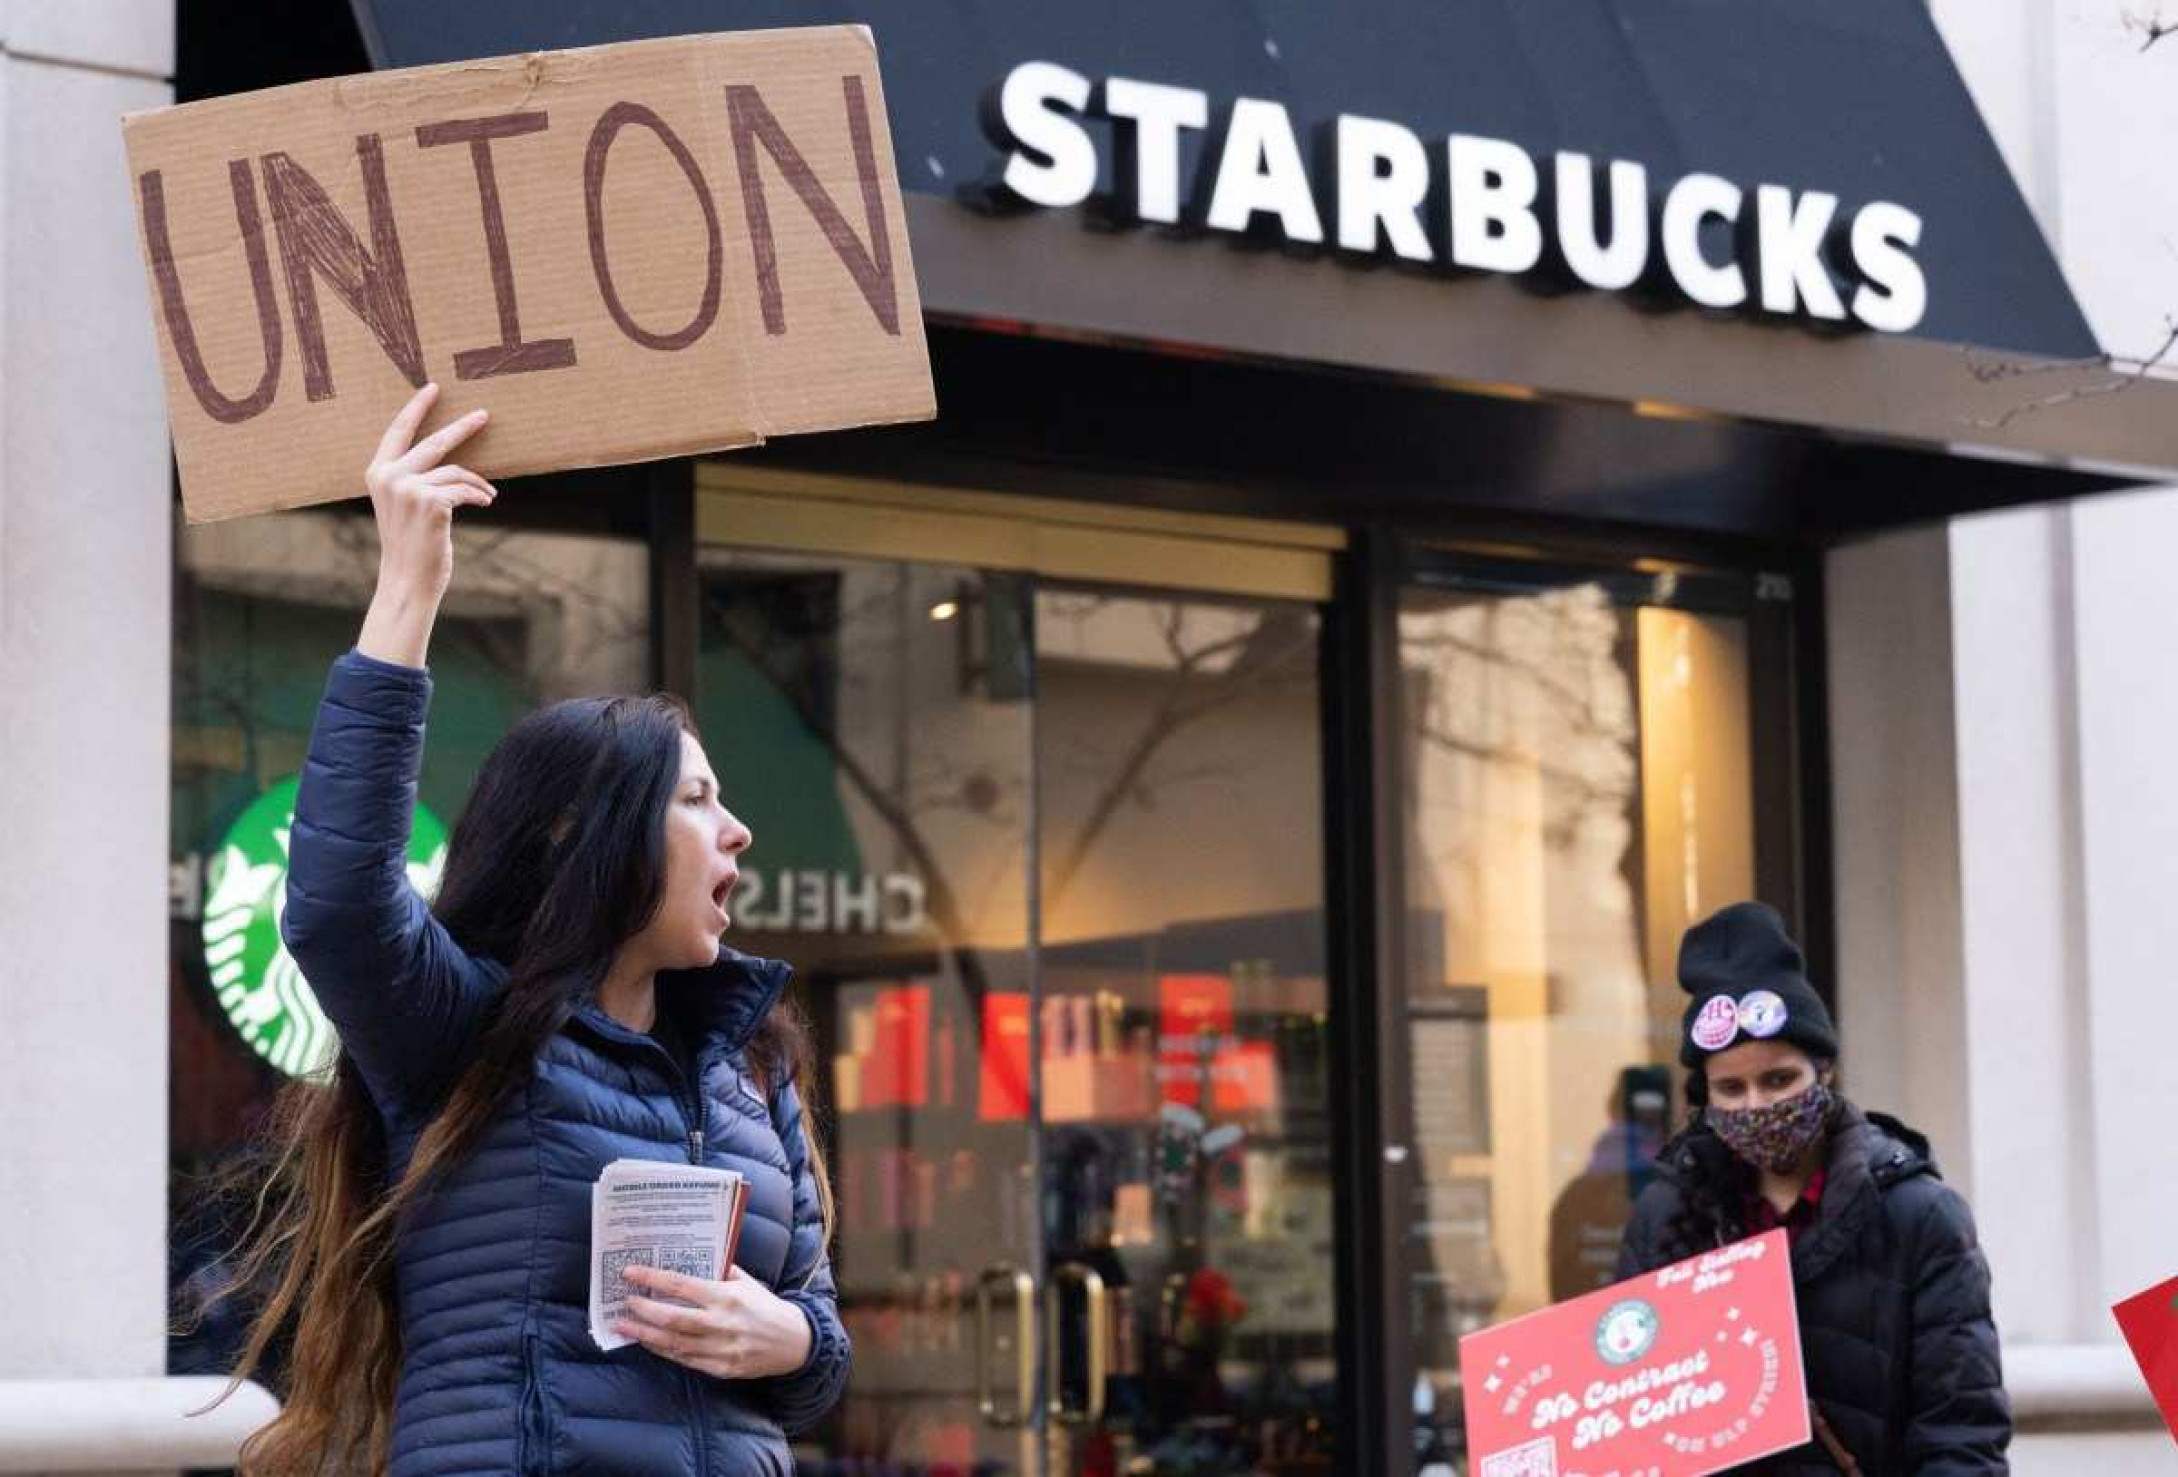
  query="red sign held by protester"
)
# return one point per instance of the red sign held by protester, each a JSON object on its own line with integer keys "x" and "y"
{"x": 1692, "y": 1368}
{"x": 2150, "y": 1323}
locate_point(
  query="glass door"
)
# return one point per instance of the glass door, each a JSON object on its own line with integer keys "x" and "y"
{"x": 1048, "y": 859}
{"x": 1186, "y": 1144}
{"x": 885, "y": 769}
{"x": 1580, "y": 769}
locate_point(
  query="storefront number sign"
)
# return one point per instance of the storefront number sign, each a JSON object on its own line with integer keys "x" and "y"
{"x": 261, "y": 991}
{"x": 1689, "y": 1369}
{"x": 1604, "y": 224}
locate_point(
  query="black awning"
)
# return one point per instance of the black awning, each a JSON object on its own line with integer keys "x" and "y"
{"x": 1858, "y": 98}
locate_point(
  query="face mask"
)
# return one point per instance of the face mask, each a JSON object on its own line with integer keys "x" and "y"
{"x": 1775, "y": 1137}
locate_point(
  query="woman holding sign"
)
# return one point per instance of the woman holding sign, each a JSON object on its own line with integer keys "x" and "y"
{"x": 1893, "y": 1292}
{"x": 565, "y": 1002}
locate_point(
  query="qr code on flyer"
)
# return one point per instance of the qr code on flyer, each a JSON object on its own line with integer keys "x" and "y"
{"x": 689, "y": 1261}
{"x": 1538, "y": 1458}
{"x": 611, "y": 1265}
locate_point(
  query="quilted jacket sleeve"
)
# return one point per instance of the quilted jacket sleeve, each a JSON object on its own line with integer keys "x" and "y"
{"x": 1959, "y": 1420}
{"x": 1637, "y": 1244}
{"x": 801, "y": 1399}
{"x": 406, "y": 999}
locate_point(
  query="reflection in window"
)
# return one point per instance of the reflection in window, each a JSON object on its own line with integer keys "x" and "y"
{"x": 1119, "y": 1070}
{"x": 1578, "y": 790}
{"x": 1188, "y": 1143}
{"x": 869, "y": 721}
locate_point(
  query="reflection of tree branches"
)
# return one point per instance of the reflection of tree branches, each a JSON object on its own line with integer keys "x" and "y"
{"x": 1581, "y": 706}
{"x": 938, "y": 897}
{"x": 1572, "y": 793}
{"x": 513, "y": 564}
{"x": 1263, "y": 655}
{"x": 518, "y": 567}
{"x": 500, "y": 646}
{"x": 1603, "y": 729}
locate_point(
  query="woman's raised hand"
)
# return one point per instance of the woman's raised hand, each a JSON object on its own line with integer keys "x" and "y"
{"x": 414, "y": 491}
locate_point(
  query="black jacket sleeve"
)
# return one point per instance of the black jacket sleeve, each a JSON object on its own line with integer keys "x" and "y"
{"x": 1958, "y": 1418}
{"x": 1637, "y": 1246}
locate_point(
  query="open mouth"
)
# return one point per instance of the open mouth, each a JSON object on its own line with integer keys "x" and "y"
{"x": 723, "y": 891}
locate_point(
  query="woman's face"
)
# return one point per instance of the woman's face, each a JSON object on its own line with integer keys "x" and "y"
{"x": 703, "y": 842}
{"x": 1755, "y": 1074}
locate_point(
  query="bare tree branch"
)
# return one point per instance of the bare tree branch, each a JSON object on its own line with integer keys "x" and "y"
{"x": 2116, "y": 385}
{"x": 2152, "y": 28}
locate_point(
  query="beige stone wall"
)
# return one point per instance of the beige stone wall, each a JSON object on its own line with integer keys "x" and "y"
{"x": 84, "y": 659}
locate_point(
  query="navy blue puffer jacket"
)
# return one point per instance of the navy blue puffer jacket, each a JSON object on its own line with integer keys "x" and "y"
{"x": 499, "y": 1373}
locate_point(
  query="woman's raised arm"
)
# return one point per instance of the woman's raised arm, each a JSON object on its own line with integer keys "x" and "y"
{"x": 406, "y": 999}
{"x": 414, "y": 491}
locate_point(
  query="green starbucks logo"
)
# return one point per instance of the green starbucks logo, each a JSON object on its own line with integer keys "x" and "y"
{"x": 258, "y": 984}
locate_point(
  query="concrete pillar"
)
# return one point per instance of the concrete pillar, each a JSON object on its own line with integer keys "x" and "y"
{"x": 1894, "y": 801}
{"x": 2014, "y": 640}
{"x": 2003, "y": 701}
{"x": 2128, "y": 717}
{"x": 84, "y": 660}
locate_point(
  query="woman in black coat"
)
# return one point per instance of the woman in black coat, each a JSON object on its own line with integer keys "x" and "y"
{"x": 1902, "y": 1363}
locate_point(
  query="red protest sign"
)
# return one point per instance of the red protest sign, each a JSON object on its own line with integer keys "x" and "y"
{"x": 2150, "y": 1323}
{"x": 1692, "y": 1368}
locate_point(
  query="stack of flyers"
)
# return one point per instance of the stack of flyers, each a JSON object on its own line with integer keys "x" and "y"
{"x": 676, "y": 1217}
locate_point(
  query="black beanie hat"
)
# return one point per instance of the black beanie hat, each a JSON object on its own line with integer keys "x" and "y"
{"x": 1749, "y": 982}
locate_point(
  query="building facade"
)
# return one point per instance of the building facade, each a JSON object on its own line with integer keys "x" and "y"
{"x": 1233, "y": 785}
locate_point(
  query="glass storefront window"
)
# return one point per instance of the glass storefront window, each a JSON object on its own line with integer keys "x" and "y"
{"x": 1579, "y": 789}
{"x": 1049, "y": 863}
{"x": 1187, "y": 1141}
{"x": 870, "y": 722}
{"x": 261, "y": 608}
{"x": 1048, "y": 858}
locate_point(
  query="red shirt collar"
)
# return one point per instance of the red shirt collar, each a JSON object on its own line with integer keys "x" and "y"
{"x": 1763, "y": 1216}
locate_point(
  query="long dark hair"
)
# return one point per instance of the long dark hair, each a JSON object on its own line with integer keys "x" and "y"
{"x": 557, "y": 860}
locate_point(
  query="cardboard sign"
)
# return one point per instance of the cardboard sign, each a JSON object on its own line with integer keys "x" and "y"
{"x": 2149, "y": 1321}
{"x": 623, "y": 252}
{"x": 1688, "y": 1369}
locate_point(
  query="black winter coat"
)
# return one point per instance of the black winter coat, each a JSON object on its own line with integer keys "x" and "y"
{"x": 1893, "y": 1290}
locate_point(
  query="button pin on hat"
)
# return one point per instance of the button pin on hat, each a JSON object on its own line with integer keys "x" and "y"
{"x": 1762, "y": 1013}
{"x": 1717, "y": 1024}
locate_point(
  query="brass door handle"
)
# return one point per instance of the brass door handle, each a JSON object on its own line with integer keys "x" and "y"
{"x": 1170, "y": 1297}
{"x": 1099, "y": 1325}
{"x": 1024, "y": 1311}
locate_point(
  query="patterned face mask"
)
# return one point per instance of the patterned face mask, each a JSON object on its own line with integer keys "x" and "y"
{"x": 1775, "y": 1137}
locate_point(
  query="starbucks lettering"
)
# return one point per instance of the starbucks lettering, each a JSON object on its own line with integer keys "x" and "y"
{"x": 704, "y": 233}
{"x": 1573, "y": 219}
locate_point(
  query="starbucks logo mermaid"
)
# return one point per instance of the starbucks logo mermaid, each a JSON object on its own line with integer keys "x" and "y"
{"x": 263, "y": 994}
